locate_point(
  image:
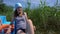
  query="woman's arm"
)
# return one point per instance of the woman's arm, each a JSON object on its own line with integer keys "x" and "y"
{"x": 29, "y": 25}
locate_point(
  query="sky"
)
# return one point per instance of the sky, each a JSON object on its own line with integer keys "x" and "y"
{"x": 34, "y": 3}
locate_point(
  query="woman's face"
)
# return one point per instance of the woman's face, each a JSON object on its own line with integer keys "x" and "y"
{"x": 19, "y": 10}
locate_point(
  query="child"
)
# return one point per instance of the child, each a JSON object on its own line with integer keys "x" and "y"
{"x": 21, "y": 21}
{"x": 0, "y": 22}
{"x": 0, "y": 25}
{"x": 3, "y": 26}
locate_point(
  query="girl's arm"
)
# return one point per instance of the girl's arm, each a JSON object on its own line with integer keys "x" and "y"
{"x": 4, "y": 26}
{"x": 9, "y": 30}
{"x": 11, "y": 27}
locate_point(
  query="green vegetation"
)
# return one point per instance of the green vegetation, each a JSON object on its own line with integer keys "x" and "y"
{"x": 6, "y": 10}
{"x": 45, "y": 18}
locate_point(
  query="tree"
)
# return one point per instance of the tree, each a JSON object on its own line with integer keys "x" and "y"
{"x": 1, "y": 1}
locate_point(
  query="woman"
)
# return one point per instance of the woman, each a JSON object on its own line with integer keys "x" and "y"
{"x": 22, "y": 23}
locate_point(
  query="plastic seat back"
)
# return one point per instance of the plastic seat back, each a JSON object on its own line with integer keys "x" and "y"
{"x": 3, "y": 19}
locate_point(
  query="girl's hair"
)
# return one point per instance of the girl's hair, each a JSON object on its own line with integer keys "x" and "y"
{"x": 15, "y": 13}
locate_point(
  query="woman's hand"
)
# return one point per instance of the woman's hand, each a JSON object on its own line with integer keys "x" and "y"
{"x": 34, "y": 28}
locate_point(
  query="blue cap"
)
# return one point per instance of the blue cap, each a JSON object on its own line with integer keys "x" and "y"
{"x": 18, "y": 5}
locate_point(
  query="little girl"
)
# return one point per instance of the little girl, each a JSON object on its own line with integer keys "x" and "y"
{"x": 0, "y": 22}
{"x": 22, "y": 23}
{"x": 0, "y": 25}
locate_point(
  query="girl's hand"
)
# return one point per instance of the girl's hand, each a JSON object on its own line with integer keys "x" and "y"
{"x": 9, "y": 30}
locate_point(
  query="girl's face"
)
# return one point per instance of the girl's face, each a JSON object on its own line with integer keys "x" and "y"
{"x": 19, "y": 10}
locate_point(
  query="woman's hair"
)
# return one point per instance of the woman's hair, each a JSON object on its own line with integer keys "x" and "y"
{"x": 16, "y": 13}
